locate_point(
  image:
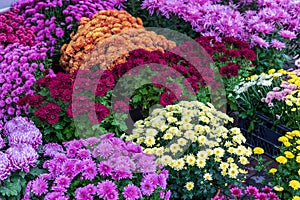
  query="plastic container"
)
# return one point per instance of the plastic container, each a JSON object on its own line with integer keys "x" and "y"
{"x": 265, "y": 133}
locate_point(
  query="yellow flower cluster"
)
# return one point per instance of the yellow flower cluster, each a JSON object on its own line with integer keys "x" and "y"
{"x": 289, "y": 161}
{"x": 189, "y": 134}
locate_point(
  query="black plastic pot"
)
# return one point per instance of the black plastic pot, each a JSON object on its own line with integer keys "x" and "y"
{"x": 265, "y": 133}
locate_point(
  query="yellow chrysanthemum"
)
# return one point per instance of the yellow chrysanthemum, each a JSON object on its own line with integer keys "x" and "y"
{"x": 258, "y": 150}
{"x": 273, "y": 170}
{"x": 294, "y": 184}
{"x": 289, "y": 154}
{"x": 281, "y": 159}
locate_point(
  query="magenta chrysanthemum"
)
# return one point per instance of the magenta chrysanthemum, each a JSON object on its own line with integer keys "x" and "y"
{"x": 39, "y": 186}
{"x": 132, "y": 192}
{"x": 106, "y": 187}
{"x": 62, "y": 181}
{"x": 104, "y": 168}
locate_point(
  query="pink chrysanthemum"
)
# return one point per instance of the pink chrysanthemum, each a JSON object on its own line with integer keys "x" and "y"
{"x": 39, "y": 186}
{"x": 104, "y": 168}
{"x": 251, "y": 190}
{"x": 147, "y": 188}
{"x": 287, "y": 34}
{"x": 277, "y": 44}
{"x": 104, "y": 150}
{"x": 236, "y": 192}
{"x": 132, "y": 192}
{"x": 62, "y": 181}
{"x": 90, "y": 171}
{"x": 106, "y": 187}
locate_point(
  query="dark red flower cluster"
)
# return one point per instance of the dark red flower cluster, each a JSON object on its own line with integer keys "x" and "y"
{"x": 227, "y": 50}
{"x": 98, "y": 113}
{"x": 178, "y": 62}
{"x": 12, "y": 30}
{"x": 230, "y": 70}
{"x": 238, "y": 47}
{"x": 48, "y": 112}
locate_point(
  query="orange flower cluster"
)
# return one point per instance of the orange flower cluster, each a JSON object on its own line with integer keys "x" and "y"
{"x": 93, "y": 31}
{"x": 106, "y": 39}
{"x": 114, "y": 50}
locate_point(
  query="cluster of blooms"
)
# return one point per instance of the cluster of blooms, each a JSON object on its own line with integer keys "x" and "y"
{"x": 41, "y": 16}
{"x": 286, "y": 177}
{"x": 178, "y": 66}
{"x": 13, "y": 31}
{"x": 18, "y": 65}
{"x": 93, "y": 45}
{"x": 104, "y": 166}
{"x": 23, "y": 139}
{"x": 91, "y": 33}
{"x": 262, "y": 80}
{"x": 191, "y": 134}
{"x": 211, "y": 18}
{"x": 251, "y": 192}
{"x": 60, "y": 88}
{"x": 230, "y": 52}
{"x": 288, "y": 88}
{"x": 279, "y": 90}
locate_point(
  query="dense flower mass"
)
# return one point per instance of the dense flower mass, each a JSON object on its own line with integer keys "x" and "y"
{"x": 18, "y": 66}
{"x": 12, "y": 30}
{"x": 41, "y": 16}
{"x": 99, "y": 162}
{"x": 21, "y": 151}
{"x": 192, "y": 136}
{"x": 213, "y": 18}
{"x": 286, "y": 176}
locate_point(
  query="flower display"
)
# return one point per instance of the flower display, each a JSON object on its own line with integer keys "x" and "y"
{"x": 18, "y": 67}
{"x": 107, "y": 168}
{"x": 128, "y": 40}
{"x": 272, "y": 91}
{"x": 20, "y": 152}
{"x": 233, "y": 58}
{"x": 93, "y": 31}
{"x": 13, "y": 30}
{"x": 213, "y": 18}
{"x": 249, "y": 192}
{"x": 286, "y": 177}
{"x": 41, "y": 16}
{"x": 191, "y": 140}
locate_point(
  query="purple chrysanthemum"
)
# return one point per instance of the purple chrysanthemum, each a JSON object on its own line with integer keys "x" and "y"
{"x": 90, "y": 171}
{"x": 83, "y": 154}
{"x": 104, "y": 168}
{"x": 20, "y": 130}
{"x": 277, "y": 44}
{"x": 62, "y": 181}
{"x": 106, "y": 187}
{"x": 22, "y": 156}
{"x": 39, "y": 186}
{"x": 147, "y": 188}
{"x": 103, "y": 150}
{"x": 5, "y": 167}
{"x": 51, "y": 149}
{"x": 132, "y": 192}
